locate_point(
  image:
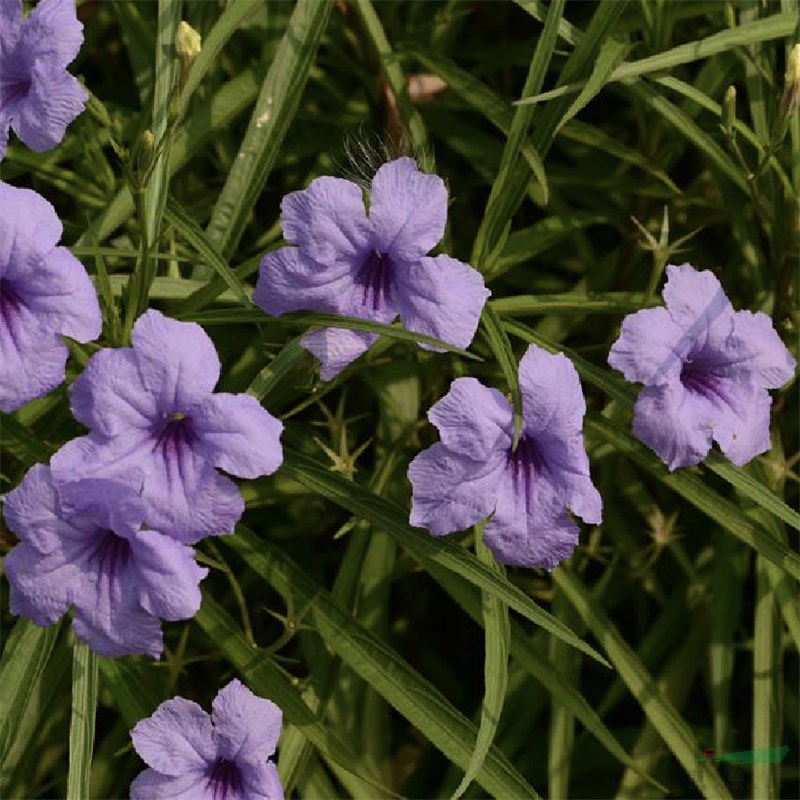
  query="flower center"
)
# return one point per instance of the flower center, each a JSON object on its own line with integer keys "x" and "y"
{"x": 225, "y": 780}
{"x": 375, "y": 280}
{"x": 111, "y": 556}
{"x": 10, "y": 301}
{"x": 14, "y": 86}
{"x": 174, "y": 434}
{"x": 698, "y": 380}
{"x": 526, "y": 460}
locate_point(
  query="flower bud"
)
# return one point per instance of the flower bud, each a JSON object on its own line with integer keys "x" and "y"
{"x": 790, "y": 101}
{"x": 729, "y": 110}
{"x": 187, "y": 45}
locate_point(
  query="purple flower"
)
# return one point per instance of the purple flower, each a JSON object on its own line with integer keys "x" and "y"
{"x": 373, "y": 267}
{"x": 44, "y": 292}
{"x": 192, "y": 755}
{"x": 705, "y": 369}
{"x": 473, "y": 472}
{"x": 152, "y": 408}
{"x": 121, "y": 580}
{"x": 38, "y": 97}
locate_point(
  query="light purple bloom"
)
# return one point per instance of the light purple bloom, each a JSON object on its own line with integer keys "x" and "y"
{"x": 44, "y": 293}
{"x": 38, "y": 97}
{"x": 473, "y": 472}
{"x": 706, "y": 370}
{"x": 121, "y": 580}
{"x": 224, "y": 756}
{"x": 152, "y": 407}
{"x": 370, "y": 266}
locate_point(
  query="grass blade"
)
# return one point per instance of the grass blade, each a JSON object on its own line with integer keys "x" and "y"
{"x": 416, "y": 699}
{"x": 497, "y": 640}
{"x": 81, "y": 729}
{"x": 391, "y": 518}
{"x": 669, "y": 724}
{"x": 25, "y": 655}
{"x": 276, "y": 106}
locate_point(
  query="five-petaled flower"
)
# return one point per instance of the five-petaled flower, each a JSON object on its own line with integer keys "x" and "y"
{"x": 152, "y": 408}
{"x": 38, "y": 97}
{"x": 121, "y": 580}
{"x": 706, "y": 370}
{"x": 223, "y": 756}
{"x": 44, "y": 292}
{"x": 475, "y": 472}
{"x": 372, "y": 266}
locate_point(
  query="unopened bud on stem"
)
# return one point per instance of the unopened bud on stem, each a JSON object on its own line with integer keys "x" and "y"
{"x": 790, "y": 101}
{"x": 187, "y": 45}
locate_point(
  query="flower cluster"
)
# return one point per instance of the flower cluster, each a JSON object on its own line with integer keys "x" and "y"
{"x": 38, "y": 97}
{"x": 223, "y": 756}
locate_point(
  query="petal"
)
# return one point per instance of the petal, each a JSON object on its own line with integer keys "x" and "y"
{"x": 32, "y": 510}
{"x": 29, "y": 229}
{"x": 336, "y": 348}
{"x": 177, "y": 359}
{"x": 110, "y": 504}
{"x": 552, "y": 398}
{"x": 289, "y": 281}
{"x": 529, "y": 527}
{"x": 450, "y": 492}
{"x": 441, "y": 297}
{"x": 32, "y": 359}
{"x": 55, "y": 99}
{"x": 328, "y": 222}
{"x": 651, "y": 347}
{"x": 760, "y": 355}
{"x": 52, "y": 30}
{"x": 10, "y": 24}
{"x": 112, "y": 626}
{"x": 177, "y": 738}
{"x": 152, "y": 785}
{"x": 473, "y": 420}
{"x": 63, "y": 297}
{"x": 407, "y": 210}
{"x": 239, "y": 435}
{"x": 246, "y": 727}
{"x": 42, "y": 586}
{"x": 696, "y": 301}
{"x": 741, "y": 424}
{"x": 168, "y": 576}
{"x": 261, "y": 782}
{"x": 110, "y": 396}
{"x": 675, "y": 423}
{"x": 185, "y": 496}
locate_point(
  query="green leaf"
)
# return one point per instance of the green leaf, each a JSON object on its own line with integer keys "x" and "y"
{"x": 525, "y": 305}
{"x": 194, "y": 234}
{"x": 25, "y": 655}
{"x": 22, "y": 442}
{"x": 497, "y": 636}
{"x": 131, "y": 684}
{"x": 380, "y": 666}
{"x": 234, "y": 15}
{"x": 275, "y": 108}
{"x": 390, "y": 517}
{"x": 276, "y": 370}
{"x": 664, "y": 718}
{"x": 267, "y": 680}
{"x": 81, "y": 729}
{"x": 612, "y": 51}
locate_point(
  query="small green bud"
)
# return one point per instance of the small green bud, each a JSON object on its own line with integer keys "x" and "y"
{"x": 790, "y": 101}
{"x": 729, "y": 110}
{"x": 145, "y": 152}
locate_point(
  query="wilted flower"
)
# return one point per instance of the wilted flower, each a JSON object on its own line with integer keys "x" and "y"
{"x": 120, "y": 579}
{"x": 38, "y": 97}
{"x": 370, "y": 266}
{"x": 223, "y": 756}
{"x": 152, "y": 408}
{"x": 44, "y": 293}
{"x": 474, "y": 472}
{"x": 705, "y": 369}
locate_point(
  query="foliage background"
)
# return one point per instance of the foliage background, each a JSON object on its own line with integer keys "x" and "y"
{"x": 370, "y": 634}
